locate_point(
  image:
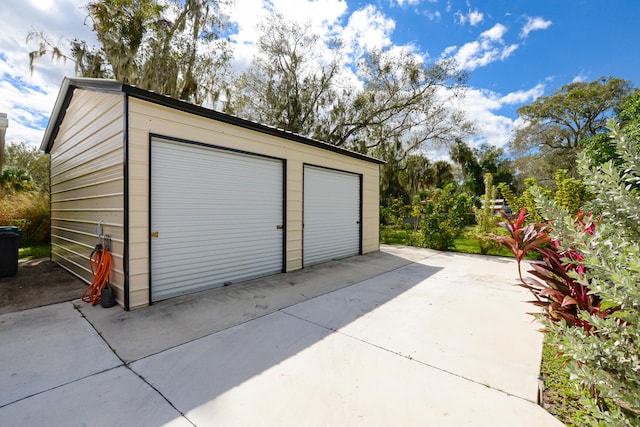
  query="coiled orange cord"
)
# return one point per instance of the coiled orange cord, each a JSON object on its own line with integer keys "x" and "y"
{"x": 100, "y": 264}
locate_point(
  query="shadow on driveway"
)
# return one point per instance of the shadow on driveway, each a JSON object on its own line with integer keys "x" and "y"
{"x": 195, "y": 374}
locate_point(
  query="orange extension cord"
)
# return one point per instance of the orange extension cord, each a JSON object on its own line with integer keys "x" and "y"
{"x": 100, "y": 264}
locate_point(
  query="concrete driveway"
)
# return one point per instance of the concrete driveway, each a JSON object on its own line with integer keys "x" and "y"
{"x": 404, "y": 336}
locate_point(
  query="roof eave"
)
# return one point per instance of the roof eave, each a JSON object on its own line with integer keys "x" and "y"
{"x": 69, "y": 84}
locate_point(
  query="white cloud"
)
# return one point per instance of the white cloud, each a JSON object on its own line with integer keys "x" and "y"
{"x": 321, "y": 15}
{"x": 472, "y": 17}
{"x": 494, "y": 33}
{"x": 368, "y": 28}
{"x": 582, "y": 77}
{"x": 489, "y": 47}
{"x": 475, "y": 18}
{"x": 432, "y": 16}
{"x": 28, "y": 98}
{"x": 522, "y": 96}
{"x": 407, "y": 2}
{"x": 483, "y": 107}
{"x": 534, "y": 24}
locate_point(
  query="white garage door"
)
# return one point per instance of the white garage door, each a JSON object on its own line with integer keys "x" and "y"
{"x": 216, "y": 217}
{"x": 331, "y": 215}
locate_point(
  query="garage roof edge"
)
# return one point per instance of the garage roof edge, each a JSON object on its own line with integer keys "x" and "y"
{"x": 111, "y": 86}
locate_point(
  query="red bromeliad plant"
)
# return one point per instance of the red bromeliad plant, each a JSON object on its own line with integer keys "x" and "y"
{"x": 555, "y": 290}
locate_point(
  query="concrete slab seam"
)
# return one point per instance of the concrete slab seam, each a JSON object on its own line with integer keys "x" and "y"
{"x": 409, "y": 358}
{"x": 126, "y": 365}
{"x": 144, "y": 380}
{"x": 60, "y": 385}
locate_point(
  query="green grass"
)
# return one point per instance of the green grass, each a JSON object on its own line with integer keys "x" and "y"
{"x": 562, "y": 398}
{"x": 41, "y": 250}
{"x": 468, "y": 245}
{"x": 394, "y": 237}
{"x": 463, "y": 244}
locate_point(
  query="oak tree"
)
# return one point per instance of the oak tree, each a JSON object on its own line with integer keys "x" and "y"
{"x": 555, "y": 125}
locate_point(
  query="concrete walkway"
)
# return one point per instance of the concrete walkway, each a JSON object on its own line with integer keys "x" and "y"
{"x": 405, "y": 336}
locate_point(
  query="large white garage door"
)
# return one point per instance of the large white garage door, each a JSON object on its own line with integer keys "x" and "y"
{"x": 331, "y": 215}
{"x": 216, "y": 217}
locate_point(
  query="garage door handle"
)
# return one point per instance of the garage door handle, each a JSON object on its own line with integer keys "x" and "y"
{"x": 279, "y": 227}
{"x": 357, "y": 222}
{"x": 154, "y": 234}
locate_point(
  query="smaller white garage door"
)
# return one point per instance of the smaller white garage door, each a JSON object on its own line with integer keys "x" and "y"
{"x": 216, "y": 217}
{"x": 332, "y": 216}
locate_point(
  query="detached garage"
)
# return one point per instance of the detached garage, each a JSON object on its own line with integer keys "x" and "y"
{"x": 190, "y": 198}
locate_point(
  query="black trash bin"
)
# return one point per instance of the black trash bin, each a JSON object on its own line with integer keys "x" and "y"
{"x": 9, "y": 236}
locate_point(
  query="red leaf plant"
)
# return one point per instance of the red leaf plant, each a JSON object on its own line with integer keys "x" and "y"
{"x": 555, "y": 291}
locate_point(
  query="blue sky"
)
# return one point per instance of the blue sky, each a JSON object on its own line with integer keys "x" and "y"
{"x": 514, "y": 51}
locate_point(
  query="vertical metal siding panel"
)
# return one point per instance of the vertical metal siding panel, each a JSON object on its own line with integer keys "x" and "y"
{"x": 217, "y": 214}
{"x": 331, "y": 215}
{"x": 370, "y": 208}
{"x": 146, "y": 118}
{"x": 87, "y": 183}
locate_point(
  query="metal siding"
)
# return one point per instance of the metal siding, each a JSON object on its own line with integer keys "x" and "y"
{"x": 146, "y": 118}
{"x": 216, "y": 213}
{"x": 87, "y": 183}
{"x": 331, "y": 215}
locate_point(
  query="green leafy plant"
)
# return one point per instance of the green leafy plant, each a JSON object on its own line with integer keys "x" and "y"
{"x": 571, "y": 193}
{"x": 555, "y": 288}
{"x": 444, "y": 217}
{"x": 13, "y": 180}
{"x": 606, "y": 359}
{"x": 603, "y": 355}
{"x": 486, "y": 218}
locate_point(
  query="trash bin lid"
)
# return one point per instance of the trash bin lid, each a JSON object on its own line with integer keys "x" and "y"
{"x": 10, "y": 229}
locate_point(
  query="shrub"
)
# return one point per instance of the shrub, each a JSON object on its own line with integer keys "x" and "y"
{"x": 571, "y": 193}
{"x": 525, "y": 200}
{"x": 603, "y": 263}
{"x": 486, "y": 218}
{"x": 12, "y": 180}
{"x": 444, "y": 217}
{"x": 30, "y": 212}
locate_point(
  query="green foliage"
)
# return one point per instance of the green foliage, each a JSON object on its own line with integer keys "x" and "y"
{"x": 416, "y": 174}
{"x": 556, "y": 124}
{"x": 528, "y": 200}
{"x": 172, "y": 47}
{"x": 486, "y": 218}
{"x": 444, "y": 217}
{"x": 561, "y": 397}
{"x": 510, "y": 198}
{"x": 476, "y": 163}
{"x": 600, "y": 149}
{"x": 12, "y": 180}
{"x": 605, "y": 359}
{"x": 403, "y": 180}
{"x": 494, "y": 160}
{"x": 571, "y": 193}
{"x": 464, "y": 156}
{"x": 392, "y": 213}
{"x": 39, "y": 250}
{"x": 26, "y": 163}
{"x": 631, "y": 110}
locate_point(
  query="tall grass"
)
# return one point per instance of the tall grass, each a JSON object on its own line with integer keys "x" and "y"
{"x": 28, "y": 210}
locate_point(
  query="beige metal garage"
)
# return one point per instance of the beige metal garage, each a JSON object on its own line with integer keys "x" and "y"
{"x": 192, "y": 198}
